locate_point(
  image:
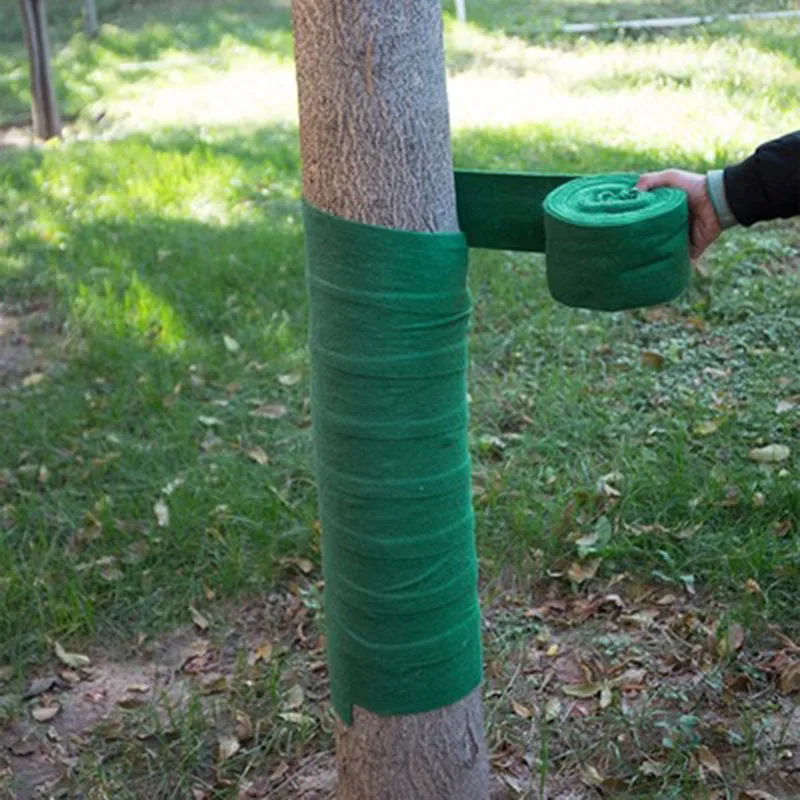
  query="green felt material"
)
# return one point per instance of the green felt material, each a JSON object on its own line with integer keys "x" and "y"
{"x": 608, "y": 246}
{"x": 611, "y": 247}
{"x": 389, "y": 317}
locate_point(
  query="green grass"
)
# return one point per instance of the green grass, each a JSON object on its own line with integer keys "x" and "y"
{"x": 147, "y": 250}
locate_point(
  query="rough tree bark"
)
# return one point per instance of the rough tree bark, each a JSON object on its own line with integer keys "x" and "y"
{"x": 46, "y": 118}
{"x": 375, "y": 142}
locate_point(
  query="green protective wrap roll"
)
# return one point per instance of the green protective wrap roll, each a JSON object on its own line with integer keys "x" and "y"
{"x": 608, "y": 246}
{"x": 389, "y": 317}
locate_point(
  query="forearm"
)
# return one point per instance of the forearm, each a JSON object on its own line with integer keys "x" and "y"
{"x": 764, "y": 186}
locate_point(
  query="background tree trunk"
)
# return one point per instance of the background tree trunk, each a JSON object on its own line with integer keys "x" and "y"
{"x": 46, "y": 119}
{"x": 375, "y": 141}
{"x": 90, "y": 17}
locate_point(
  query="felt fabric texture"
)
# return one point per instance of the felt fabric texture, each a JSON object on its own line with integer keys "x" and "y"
{"x": 389, "y": 317}
{"x": 389, "y": 320}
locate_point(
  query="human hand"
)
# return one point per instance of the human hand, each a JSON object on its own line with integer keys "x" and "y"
{"x": 704, "y": 225}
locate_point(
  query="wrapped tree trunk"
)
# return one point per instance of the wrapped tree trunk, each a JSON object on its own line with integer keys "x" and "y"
{"x": 46, "y": 119}
{"x": 375, "y": 141}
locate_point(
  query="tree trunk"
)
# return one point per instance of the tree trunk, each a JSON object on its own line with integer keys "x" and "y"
{"x": 90, "y": 17}
{"x": 46, "y": 119}
{"x": 375, "y": 142}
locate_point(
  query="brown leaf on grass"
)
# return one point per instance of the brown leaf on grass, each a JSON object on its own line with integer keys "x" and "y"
{"x": 231, "y": 345}
{"x": 751, "y": 586}
{"x": 46, "y": 713}
{"x": 23, "y": 747}
{"x": 200, "y": 622}
{"x": 591, "y": 776}
{"x": 262, "y": 653}
{"x": 582, "y": 690}
{"x": 34, "y": 379}
{"x": 709, "y": 761}
{"x": 303, "y": 564}
{"x": 244, "y": 727}
{"x": 552, "y": 709}
{"x": 789, "y": 404}
{"x": 579, "y": 573}
{"x": 290, "y": 379}
{"x": 295, "y": 698}
{"x": 209, "y": 422}
{"x": 521, "y": 710}
{"x": 258, "y": 455}
{"x": 228, "y": 746}
{"x": 789, "y": 681}
{"x": 215, "y": 684}
{"x": 784, "y": 527}
{"x": 139, "y": 688}
{"x": 279, "y": 772}
{"x": 132, "y": 701}
{"x": 72, "y": 660}
{"x": 771, "y": 454}
{"x": 270, "y": 411}
{"x": 606, "y": 696}
{"x": 110, "y": 572}
{"x": 708, "y": 427}
{"x": 161, "y": 510}
{"x": 652, "y": 359}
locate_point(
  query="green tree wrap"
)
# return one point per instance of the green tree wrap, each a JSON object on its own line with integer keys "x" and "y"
{"x": 390, "y": 313}
{"x": 608, "y": 246}
{"x": 389, "y": 317}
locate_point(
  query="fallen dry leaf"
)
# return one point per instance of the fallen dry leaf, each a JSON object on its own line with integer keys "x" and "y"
{"x": 131, "y": 702}
{"x": 209, "y": 422}
{"x": 751, "y": 586}
{"x": 521, "y": 710}
{"x": 708, "y": 427}
{"x": 279, "y": 772}
{"x": 591, "y": 776}
{"x": 289, "y": 380}
{"x": 228, "y": 746}
{"x": 787, "y": 405}
{"x": 161, "y": 511}
{"x": 231, "y": 345}
{"x": 244, "y": 727}
{"x": 45, "y": 713}
{"x": 578, "y": 573}
{"x": 270, "y": 411}
{"x": 709, "y": 761}
{"x": 789, "y": 682}
{"x": 23, "y": 747}
{"x": 552, "y": 709}
{"x": 34, "y": 379}
{"x": 200, "y": 622}
{"x": 294, "y": 717}
{"x": 258, "y": 455}
{"x": 262, "y": 653}
{"x": 6, "y": 674}
{"x": 72, "y": 660}
{"x": 215, "y": 685}
{"x": 295, "y": 698}
{"x": 606, "y": 696}
{"x": 771, "y": 454}
{"x": 582, "y": 690}
{"x": 652, "y": 359}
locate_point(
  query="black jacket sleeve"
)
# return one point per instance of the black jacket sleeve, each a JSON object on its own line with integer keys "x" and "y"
{"x": 766, "y": 185}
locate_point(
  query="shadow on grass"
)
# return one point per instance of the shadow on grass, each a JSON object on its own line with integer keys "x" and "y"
{"x": 158, "y": 248}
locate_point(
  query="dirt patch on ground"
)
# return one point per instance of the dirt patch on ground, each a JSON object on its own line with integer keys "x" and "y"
{"x": 623, "y": 693}
{"x": 24, "y": 333}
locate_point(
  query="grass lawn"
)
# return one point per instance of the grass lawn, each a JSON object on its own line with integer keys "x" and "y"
{"x": 640, "y": 569}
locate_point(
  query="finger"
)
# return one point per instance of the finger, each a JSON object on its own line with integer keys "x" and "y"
{"x": 648, "y": 181}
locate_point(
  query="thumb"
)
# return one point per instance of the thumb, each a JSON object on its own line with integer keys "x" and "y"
{"x": 651, "y": 180}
